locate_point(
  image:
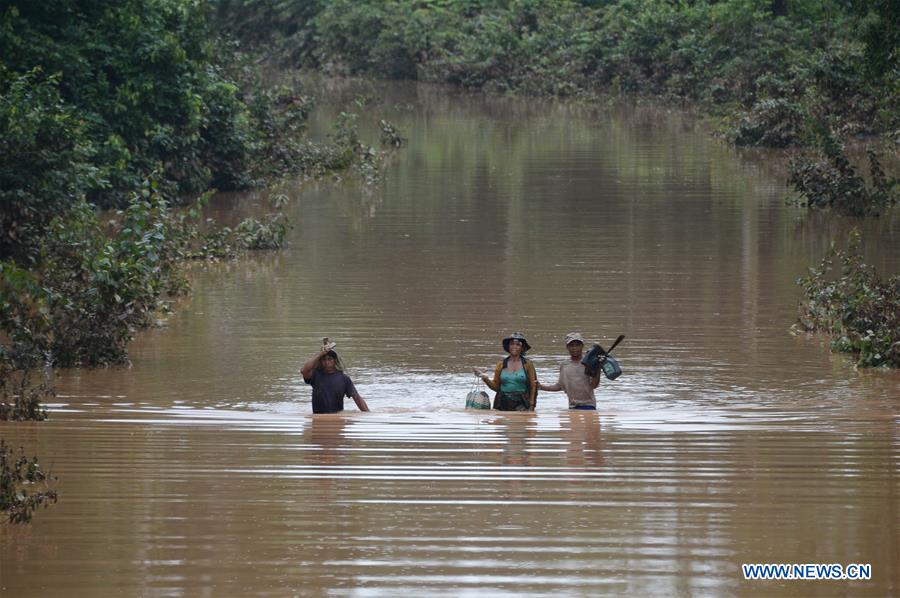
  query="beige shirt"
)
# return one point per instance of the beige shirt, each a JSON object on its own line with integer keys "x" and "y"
{"x": 576, "y": 384}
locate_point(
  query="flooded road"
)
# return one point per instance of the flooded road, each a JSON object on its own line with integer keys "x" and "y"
{"x": 201, "y": 471}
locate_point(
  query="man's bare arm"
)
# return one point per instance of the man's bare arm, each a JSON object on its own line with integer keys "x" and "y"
{"x": 360, "y": 402}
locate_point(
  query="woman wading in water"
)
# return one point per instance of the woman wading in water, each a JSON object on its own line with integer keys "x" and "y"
{"x": 515, "y": 380}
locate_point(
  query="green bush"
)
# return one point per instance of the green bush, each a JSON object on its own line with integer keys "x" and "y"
{"x": 846, "y": 299}
{"x": 46, "y": 163}
{"x": 251, "y": 234}
{"x": 275, "y": 25}
{"x": 771, "y": 123}
{"x": 254, "y": 234}
{"x": 18, "y": 474}
{"x": 827, "y": 178}
{"x": 90, "y": 291}
{"x": 95, "y": 284}
{"x": 141, "y": 77}
{"x": 390, "y": 135}
{"x": 769, "y": 70}
{"x": 20, "y": 400}
{"x": 367, "y": 36}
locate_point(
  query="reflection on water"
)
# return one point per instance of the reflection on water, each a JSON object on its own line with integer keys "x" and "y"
{"x": 445, "y": 503}
{"x": 200, "y": 470}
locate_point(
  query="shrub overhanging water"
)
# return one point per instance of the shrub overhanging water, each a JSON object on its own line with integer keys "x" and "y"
{"x": 845, "y": 298}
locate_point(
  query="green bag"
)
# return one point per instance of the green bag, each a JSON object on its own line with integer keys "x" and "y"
{"x": 477, "y": 398}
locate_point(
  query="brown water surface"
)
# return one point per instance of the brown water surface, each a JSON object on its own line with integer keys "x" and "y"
{"x": 200, "y": 471}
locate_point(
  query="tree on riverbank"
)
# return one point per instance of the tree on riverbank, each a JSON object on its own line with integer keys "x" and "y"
{"x": 140, "y": 88}
{"x": 771, "y": 70}
{"x": 94, "y": 95}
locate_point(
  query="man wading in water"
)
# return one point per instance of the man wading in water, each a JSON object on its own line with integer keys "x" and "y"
{"x": 330, "y": 384}
{"x": 579, "y": 386}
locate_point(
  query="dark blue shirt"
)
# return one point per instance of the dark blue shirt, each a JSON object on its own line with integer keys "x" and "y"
{"x": 329, "y": 390}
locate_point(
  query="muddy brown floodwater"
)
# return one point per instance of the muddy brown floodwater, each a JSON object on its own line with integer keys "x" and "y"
{"x": 200, "y": 471}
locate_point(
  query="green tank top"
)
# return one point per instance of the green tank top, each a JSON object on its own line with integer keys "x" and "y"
{"x": 513, "y": 381}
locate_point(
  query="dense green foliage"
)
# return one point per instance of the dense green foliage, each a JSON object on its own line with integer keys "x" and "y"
{"x": 827, "y": 178}
{"x": 18, "y": 474}
{"x": 773, "y": 75}
{"x": 141, "y": 78}
{"x": 776, "y": 74}
{"x": 96, "y": 283}
{"x": 276, "y": 26}
{"x": 46, "y": 159}
{"x": 90, "y": 291}
{"x": 131, "y": 105}
{"x": 20, "y": 399}
{"x": 847, "y": 299}
{"x": 95, "y": 95}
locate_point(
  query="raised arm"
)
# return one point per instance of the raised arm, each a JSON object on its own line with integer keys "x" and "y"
{"x": 310, "y": 365}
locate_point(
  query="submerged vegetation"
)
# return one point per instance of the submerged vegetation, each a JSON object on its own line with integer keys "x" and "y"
{"x": 96, "y": 283}
{"x": 18, "y": 475}
{"x": 20, "y": 399}
{"x": 847, "y": 299}
{"x": 827, "y": 178}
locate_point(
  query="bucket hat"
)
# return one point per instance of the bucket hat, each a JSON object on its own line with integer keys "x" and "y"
{"x": 574, "y": 336}
{"x": 517, "y": 336}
